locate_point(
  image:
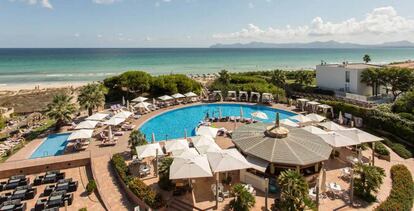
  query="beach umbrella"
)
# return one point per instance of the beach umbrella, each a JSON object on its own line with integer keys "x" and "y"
{"x": 289, "y": 122}
{"x": 316, "y": 117}
{"x": 259, "y": 115}
{"x": 97, "y": 117}
{"x": 314, "y": 130}
{"x": 123, "y": 114}
{"x": 301, "y": 118}
{"x": 190, "y": 94}
{"x": 123, "y": 100}
{"x": 337, "y": 140}
{"x": 148, "y": 150}
{"x": 205, "y": 144}
{"x": 175, "y": 145}
{"x": 139, "y": 99}
{"x": 114, "y": 121}
{"x": 207, "y": 131}
{"x": 142, "y": 105}
{"x": 360, "y": 135}
{"x": 165, "y": 98}
{"x": 177, "y": 96}
{"x": 340, "y": 118}
{"x": 190, "y": 152}
{"x": 332, "y": 126}
{"x": 190, "y": 167}
{"x": 88, "y": 124}
{"x": 80, "y": 134}
{"x": 227, "y": 160}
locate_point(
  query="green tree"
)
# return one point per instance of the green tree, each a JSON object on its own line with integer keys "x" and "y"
{"x": 368, "y": 180}
{"x": 164, "y": 172}
{"x": 278, "y": 78}
{"x": 366, "y": 58}
{"x": 61, "y": 109}
{"x": 400, "y": 80}
{"x": 135, "y": 81}
{"x": 373, "y": 77}
{"x": 244, "y": 200}
{"x": 294, "y": 190}
{"x": 405, "y": 103}
{"x": 136, "y": 138}
{"x": 92, "y": 96}
{"x": 303, "y": 77}
{"x": 224, "y": 77}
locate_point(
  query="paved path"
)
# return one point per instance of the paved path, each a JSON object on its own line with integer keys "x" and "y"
{"x": 108, "y": 185}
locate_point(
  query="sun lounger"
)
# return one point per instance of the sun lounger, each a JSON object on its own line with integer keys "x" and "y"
{"x": 109, "y": 143}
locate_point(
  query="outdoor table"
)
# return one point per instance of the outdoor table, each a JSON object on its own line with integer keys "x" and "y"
{"x": 55, "y": 200}
{"x": 335, "y": 188}
{"x": 62, "y": 186}
{"x": 19, "y": 194}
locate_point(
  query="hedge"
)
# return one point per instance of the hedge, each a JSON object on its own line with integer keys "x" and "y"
{"x": 381, "y": 149}
{"x": 402, "y": 193}
{"x": 139, "y": 188}
{"x": 376, "y": 119}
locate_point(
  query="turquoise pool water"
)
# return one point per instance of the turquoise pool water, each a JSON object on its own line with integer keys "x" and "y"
{"x": 172, "y": 124}
{"x": 53, "y": 145}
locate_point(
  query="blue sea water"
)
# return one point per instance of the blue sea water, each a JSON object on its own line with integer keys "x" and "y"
{"x": 89, "y": 64}
{"x": 53, "y": 145}
{"x": 172, "y": 124}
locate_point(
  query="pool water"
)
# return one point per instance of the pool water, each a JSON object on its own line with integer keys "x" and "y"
{"x": 172, "y": 124}
{"x": 53, "y": 145}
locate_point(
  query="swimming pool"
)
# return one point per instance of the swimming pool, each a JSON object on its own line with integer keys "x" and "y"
{"x": 172, "y": 124}
{"x": 53, "y": 145}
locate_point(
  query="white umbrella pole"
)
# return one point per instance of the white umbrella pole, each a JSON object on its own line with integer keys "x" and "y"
{"x": 217, "y": 179}
{"x": 153, "y": 138}
{"x": 185, "y": 133}
{"x": 110, "y": 133}
{"x": 123, "y": 100}
{"x": 156, "y": 162}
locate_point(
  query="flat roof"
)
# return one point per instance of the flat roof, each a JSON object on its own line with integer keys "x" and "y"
{"x": 357, "y": 66}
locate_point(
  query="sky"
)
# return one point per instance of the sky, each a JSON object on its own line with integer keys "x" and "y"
{"x": 200, "y": 23}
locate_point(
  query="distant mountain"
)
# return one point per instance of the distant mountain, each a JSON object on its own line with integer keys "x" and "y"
{"x": 318, "y": 44}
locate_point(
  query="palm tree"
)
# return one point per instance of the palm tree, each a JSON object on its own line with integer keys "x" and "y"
{"x": 136, "y": 138}
{"x": 61, "y": 109}
{"x": 92, "y": 96}
{"x": 366, "y": 58}
{"x": 224, "y": 76}
{"x": 368, "y": 179}
{"x": 244, "y": 200}
{"x": 294, "y": 190}
{"x": 278, "y": 78}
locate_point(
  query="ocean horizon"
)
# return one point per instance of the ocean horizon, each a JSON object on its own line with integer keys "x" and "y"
{"x": 53, "y": 65}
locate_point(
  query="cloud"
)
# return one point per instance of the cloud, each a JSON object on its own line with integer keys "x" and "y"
{"x": 383, "y": 21}
{"x": 104, "y": 1}
{"x": 76, "y": 35}
{"x": 251, "y": 5}
{"x": 99, "y": 36}
{"x": 42, "y": 3}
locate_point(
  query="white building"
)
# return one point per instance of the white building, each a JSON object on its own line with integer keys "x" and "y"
{"x": 343, "y": 78}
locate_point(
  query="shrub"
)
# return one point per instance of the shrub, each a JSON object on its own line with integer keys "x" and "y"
{"x": 400, "y": 149}
{"x": 402, "y": 193}
{"x": 83, "y": 209}
{"x": 376, "y": 119}
{"x": 164, "y": 174}
{"x": 407, "y": 116}
{"x": 381, "y": 149}
{"x": 91, "y": 186}
{"x": 119, "y": 163}
{"x": 144, "y": 192}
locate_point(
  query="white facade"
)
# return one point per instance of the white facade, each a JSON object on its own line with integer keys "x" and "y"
{"x": 343, "y": 77}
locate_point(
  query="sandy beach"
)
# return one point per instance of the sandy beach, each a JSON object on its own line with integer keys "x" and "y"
{"x": 45, "y": 85}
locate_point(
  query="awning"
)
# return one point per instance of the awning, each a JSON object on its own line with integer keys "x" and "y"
{"x": 139, "y": 99}
{"x": 316, "y": 117}
{"x": 178, "y": 95}
{"x": 123, "y": 114}
{"x": 227, "y": 160}
{"x": 257, "y": 163}
{"x": 190, "y": 94}
{"x": 357, "y": 134}
{"x": 114, "y": 121}
{"x": 207, "y": 131}
{"x": 190, "y": 167}
{"x": 165, "y": 98}
{"x": 314, "y": 130}
{"x": 175, "y": 145}
{"x": 331, "y": 126}
{"x": 301, "y": 118}
{"x": 148, "y": 150}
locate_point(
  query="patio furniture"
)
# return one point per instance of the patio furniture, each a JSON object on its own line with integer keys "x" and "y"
{"x": 144, "y": 170}
{"x": 13, "y": 182}
{"x": 23, "y": 193}
{"x": 312, "y": 193}
{"x": 345, "y": 172}
{"x": 335, "y": 189}
{"x": 13, "y": 205}
{"x": 56, "y": 199}
{"x": 352, "y": 159}
{"x": 49, "y": 177}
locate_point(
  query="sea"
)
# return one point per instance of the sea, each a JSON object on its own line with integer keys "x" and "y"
{"x": 45, "y": 65}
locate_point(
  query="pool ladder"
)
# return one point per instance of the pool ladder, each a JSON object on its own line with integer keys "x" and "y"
{"x": 45, "y": 153}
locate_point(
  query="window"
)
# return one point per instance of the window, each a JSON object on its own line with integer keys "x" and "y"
{"x": 347, "y": 76}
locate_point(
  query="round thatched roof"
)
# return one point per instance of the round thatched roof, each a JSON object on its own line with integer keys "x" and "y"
{"x": 299, "y": 147}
